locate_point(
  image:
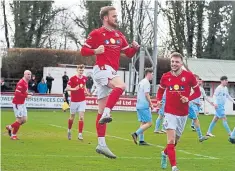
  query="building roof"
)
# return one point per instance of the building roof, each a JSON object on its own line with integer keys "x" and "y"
{"x": 212, "y": 69}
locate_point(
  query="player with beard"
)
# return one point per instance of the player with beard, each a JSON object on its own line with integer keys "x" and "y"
{"x": 106, "y": 43}
{"x": 177, "y": 83}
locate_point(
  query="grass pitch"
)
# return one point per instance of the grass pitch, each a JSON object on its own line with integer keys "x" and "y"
{"x": 43, "y": 145}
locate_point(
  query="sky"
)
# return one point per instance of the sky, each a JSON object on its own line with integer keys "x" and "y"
{"x": 72, "y": 5}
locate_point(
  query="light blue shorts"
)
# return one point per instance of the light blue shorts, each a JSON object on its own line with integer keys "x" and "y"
{"x": 220, "y": 111}
{"x": 144, "y": 115}
{"x": 192, "y": 111}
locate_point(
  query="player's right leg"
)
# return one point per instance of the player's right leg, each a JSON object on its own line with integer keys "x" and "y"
{"x": 211, "y": 127}
{"x": 232, "y": 137}
{"x": 158, "y": 123}
{"x": 101, "y": 131}
{"x": 21, "y": 117}
{"x": 73, "y": 109}
{"x": 118, "y": 87}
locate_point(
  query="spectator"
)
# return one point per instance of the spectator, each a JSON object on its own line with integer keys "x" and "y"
{"x": 33, "y": 85}
{"x": 42, "y": 87}
{"x": 3, "y": 85}
{"x": 89, "y": 83}
{"x": 65, "y": 79}
{"x": 49, "y": 79}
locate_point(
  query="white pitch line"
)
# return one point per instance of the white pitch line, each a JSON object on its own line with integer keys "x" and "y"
{"x": 159, "y": 146}
{"x": 98, "y": 157}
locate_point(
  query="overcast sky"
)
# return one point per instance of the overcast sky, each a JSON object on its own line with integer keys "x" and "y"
{"x": 72, "y": 5}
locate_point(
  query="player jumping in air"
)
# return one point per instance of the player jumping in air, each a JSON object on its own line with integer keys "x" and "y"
{"x": 143, "y": 106}
{"x": 77, "y": 86}
{"x": 177, "y": 83}
{"x": 19, "y": 107}
{"x": 220, "y": 96}
{"x": 106, "y": 43}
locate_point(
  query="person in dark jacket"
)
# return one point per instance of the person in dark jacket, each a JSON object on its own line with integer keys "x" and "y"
{"x": 65, "y": 80}
{"x": 49, "y": 79}
{"x": 42, "y": 87}
{"x": 89, "y": 83}
{"x": 33, "y": 85}
{"x": 3, "y": 85}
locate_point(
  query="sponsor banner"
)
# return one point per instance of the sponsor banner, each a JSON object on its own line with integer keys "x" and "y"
{"x": 53, "y": 102}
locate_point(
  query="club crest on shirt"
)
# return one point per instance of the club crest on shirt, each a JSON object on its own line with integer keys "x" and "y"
{"x": 169, "y": 79}
{"x": 176, "y": 87}
{"x": 116, "y": 34}
{"x": 112, "y": 41}
{"x": 183, "y": 79}
{"x": 103, "y": 34}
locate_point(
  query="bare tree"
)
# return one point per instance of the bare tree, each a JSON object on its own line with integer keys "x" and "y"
{"x": 5, "y": 24}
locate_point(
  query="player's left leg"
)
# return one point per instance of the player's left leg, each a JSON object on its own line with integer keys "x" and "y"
{"x": 158, "y": 122}
{"x": 193, "y": 126}
{"x": 211, "y": 127}
{"x": 225, "y": 124}
{"x": 198, "y": 130}
{"x": 118, "y": 86}
{"x": 232, "y": 137}
{"x": 145, "y": 117}
{"x": 102, "y": 147}
{"x": 81, "y": 109}
{"x": 80, "y": 125}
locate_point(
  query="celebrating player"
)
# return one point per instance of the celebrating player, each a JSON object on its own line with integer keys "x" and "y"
{"x": 107, "y": 43}
{"x": 77, "y": 86}
{"x": 220, "y": 96}
{"x": 177, "y": 83}
{"x": 143, "y": 106}
{"x": 160, "y": 116}
{"x": 232, "y": 137}
{"x": 19, "y": 106}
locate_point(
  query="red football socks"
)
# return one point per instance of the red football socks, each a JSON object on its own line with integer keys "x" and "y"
{"x": 100, "y": 129}
{"x": 16, "y": 126}
{"x": 171, "y": 154}
{"x": 70, "y": 123}
{"x": 80, "y": 126}
{"x": 114, "y": 97}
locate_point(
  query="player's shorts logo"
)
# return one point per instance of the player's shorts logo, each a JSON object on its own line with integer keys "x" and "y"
{"x": 112, "y": 41}
{"x": 176, "y": 87}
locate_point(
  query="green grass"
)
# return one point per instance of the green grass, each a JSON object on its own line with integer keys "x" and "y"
{"x": 43, "y": 147}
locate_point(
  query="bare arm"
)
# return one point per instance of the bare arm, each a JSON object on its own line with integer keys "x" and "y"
{"x": 68, "y": 88}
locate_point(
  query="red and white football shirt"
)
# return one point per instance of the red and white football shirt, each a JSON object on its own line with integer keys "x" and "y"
{"x": 177, "y": 86}
{"x": 114, "y": 42}
{"x": 77, "y": 95}
{"x": 20, "y": 92}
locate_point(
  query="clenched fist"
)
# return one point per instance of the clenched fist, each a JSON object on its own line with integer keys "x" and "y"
{"x": 135, "y": 45}
{"x": 99, "y": 50}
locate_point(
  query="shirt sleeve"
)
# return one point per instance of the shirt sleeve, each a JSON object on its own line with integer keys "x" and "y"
{"x": 70, "y": 82}
{"x": 91, "y": 40}
{"x": 215, "y": 95}
{"x": 125, "y": 44}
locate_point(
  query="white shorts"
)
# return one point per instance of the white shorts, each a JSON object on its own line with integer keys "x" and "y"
{"x": 175, "y": 122}
{"x": 77, "y": 107}
{"x": 20, "y": 110}
{"x": 102, "y": 77}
